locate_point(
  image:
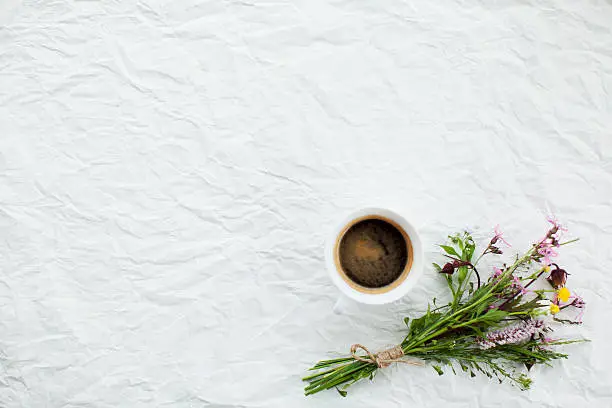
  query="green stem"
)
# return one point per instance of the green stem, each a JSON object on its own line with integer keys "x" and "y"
{"x": 481, "y": 255}
{"x": 570, "y": 241}
{"x": 422, "y": 339}
{"x": 461, "y": 288}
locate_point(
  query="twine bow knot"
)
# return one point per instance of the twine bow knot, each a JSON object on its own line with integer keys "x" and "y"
{"x": 383, "y": 358}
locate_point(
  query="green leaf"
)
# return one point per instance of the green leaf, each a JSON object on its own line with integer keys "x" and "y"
{"x": 406, "y": 320}
{"x": 423, "y": 322}
{"x": 524, "y": 307}
{"x": 341, "y": 392}
{"x": 450, "y": 250}
{"x": 481, "y": 308}
{"x": 510, "y": 305}
{"x": 470, "y": 247}
{"x": 438, "y": 369}
{"x": 493, "y": 316}
{"x": 438, "y": 267}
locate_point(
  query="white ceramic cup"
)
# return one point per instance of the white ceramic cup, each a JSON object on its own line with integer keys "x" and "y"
{"x": 387, "y": 294}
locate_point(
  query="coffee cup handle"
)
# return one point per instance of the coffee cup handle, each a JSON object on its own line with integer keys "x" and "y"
{"x": 341, "y": 305}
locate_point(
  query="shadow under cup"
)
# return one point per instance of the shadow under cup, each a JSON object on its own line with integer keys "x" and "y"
{"x": 380, "y": 248}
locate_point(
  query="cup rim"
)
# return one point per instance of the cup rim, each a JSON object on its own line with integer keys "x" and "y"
{"x": 375, "y": 297}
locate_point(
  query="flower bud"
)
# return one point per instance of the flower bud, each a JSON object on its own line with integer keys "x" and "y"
{"x": 557, "y": 278}
{"x": 448, "y": 268}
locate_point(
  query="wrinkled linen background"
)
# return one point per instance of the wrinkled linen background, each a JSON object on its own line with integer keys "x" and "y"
{"x": 169, "y": 171}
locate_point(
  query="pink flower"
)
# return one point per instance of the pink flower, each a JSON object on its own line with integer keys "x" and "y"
{"x": 496, "y": 273}
{"x": 578, "y": 302}
{"x": 547, "y": 252}
{"x": 499, "y": 236}
{"x": 553, "y": 220}
{"x": 518, "y": 286}
{"x": 552, "y": 237}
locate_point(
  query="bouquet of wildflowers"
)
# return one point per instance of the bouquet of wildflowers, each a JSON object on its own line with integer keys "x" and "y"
{"x": 490, "y": 326}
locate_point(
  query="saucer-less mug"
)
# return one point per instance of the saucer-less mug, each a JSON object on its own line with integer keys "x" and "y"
{"x": 396, "y": 289}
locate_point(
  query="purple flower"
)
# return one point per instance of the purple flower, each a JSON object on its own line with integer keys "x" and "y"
{"x": 517, "y": 334}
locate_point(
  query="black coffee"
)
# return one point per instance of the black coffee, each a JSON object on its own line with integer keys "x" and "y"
{"x": 373, "y": 253}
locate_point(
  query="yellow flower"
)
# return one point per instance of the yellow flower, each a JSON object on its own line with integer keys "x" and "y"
{"x": 554, "y": 309}
{"x": 546, "y": 268}
{"x": 563, "y": 294}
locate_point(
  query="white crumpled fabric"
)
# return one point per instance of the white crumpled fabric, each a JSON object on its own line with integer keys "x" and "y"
{"x": 170, "y": 169}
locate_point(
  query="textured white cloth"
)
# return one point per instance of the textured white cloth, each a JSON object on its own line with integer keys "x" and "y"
{"x": 169, "y": 169}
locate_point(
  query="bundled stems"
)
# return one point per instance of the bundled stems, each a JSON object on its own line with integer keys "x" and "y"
{"x": 454, "y": 333}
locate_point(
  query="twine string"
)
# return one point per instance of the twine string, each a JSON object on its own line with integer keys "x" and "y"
{"x": 383, "y": 358}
